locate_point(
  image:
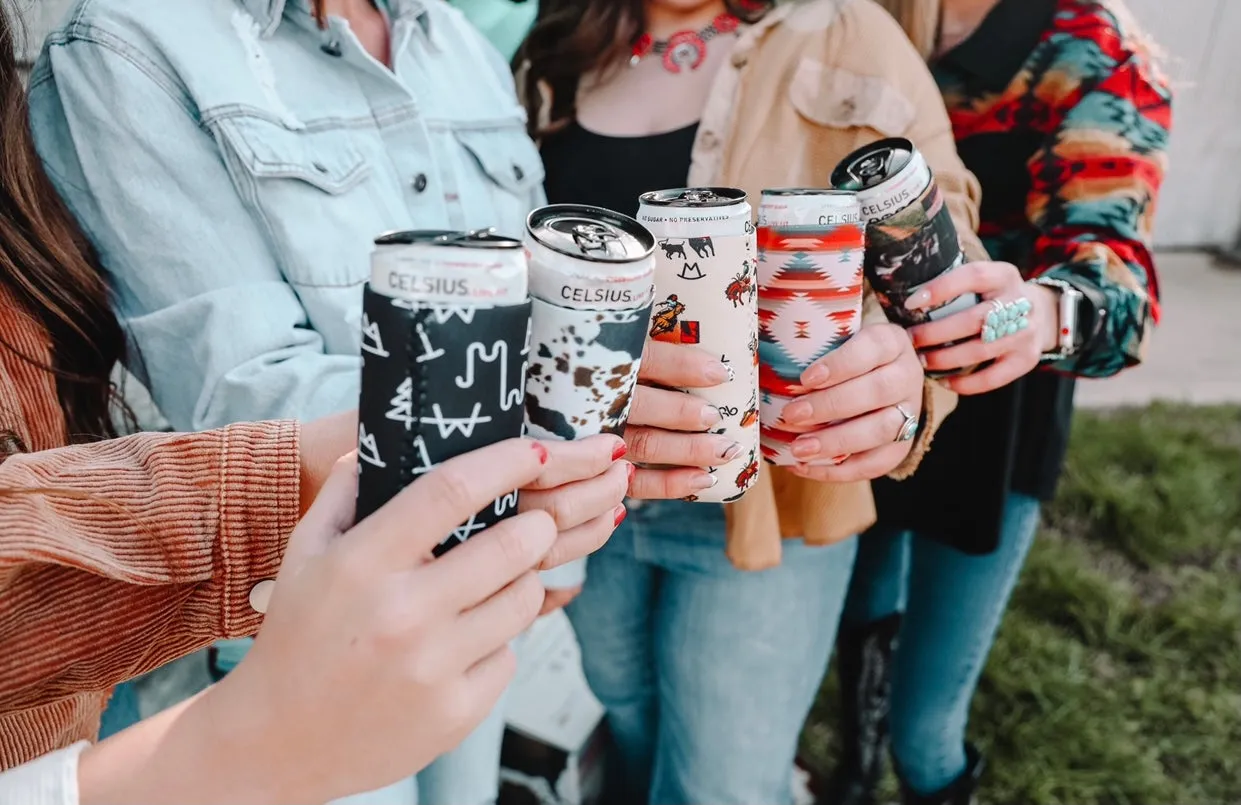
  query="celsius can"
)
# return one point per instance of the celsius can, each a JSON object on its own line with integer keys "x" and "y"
{"x": 910, "y": 237}
{"x": 445, "y": 342}
{"x": 810, "y": 251}
{"x": 707, "y": 296}
{"x": 591, "y": 282}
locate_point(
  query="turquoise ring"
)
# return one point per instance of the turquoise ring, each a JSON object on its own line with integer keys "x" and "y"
{"x": 1005, "y": 319}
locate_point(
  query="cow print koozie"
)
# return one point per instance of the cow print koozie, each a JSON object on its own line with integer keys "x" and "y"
{"x": 583, "y": 367}
{"x": 437, "y": 381}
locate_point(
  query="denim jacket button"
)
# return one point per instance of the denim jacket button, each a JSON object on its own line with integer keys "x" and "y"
{"x": 420, "y": 182}
{"x": 518, "y": 173}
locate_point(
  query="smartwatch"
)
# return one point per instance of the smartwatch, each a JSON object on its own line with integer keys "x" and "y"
{"x": 1075, "y": 315}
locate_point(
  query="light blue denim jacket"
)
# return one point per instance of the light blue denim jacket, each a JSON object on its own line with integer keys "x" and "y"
{"x": 232, "y": 163}
{"x": 233, "y": 171}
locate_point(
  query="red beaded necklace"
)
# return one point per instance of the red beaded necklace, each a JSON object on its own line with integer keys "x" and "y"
{"x": 683, "y": 48}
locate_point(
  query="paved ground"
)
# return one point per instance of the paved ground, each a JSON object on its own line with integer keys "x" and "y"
{"x": 1195, "y": 355}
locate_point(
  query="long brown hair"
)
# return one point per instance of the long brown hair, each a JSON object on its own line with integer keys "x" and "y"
{"x": 48, "y": 266}
{"x": 573, "y": 38}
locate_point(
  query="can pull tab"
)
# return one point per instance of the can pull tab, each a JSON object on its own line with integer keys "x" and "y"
{"x": 699, "y": 196}
{"x": 872, "y": 169}
{"x": 591, "y": 238}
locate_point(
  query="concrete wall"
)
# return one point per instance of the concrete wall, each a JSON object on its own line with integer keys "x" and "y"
{"x": 1202, "y": 199}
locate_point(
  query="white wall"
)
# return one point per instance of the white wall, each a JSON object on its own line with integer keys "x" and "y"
{"x": 1201, "y": 202}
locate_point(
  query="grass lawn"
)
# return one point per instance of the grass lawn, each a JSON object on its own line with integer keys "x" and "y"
{"x": 1117, "y": 674}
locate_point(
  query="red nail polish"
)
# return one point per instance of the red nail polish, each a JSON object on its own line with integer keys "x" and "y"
{"x": 541, "y": 451}
{"x": 621, "y": 514}
{"x": 620, "y": 451}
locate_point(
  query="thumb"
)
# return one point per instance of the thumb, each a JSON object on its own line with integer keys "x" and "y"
{"x": 330, "y": 515}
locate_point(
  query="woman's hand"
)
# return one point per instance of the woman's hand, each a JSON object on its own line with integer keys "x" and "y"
{"x": 853, "y": 411}
{"x": 323, "y": 442}
{"x": 359, "y": 608}
{"x": 670, "y": 427}
{"x": 1015, "y": 355}
{"x": 583, "y": 488}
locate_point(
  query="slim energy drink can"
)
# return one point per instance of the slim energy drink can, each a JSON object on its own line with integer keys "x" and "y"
{"x": 591, "y": 282}
{"x": 445, "y": 343}
{"x": 910, "y": 237}
{"x": 705, "y": 266}
{"x": 810, "y": 249}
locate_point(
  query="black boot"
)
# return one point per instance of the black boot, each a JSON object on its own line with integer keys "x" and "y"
{"x": 864, "y": 658}
{"x": 960, "y": 792}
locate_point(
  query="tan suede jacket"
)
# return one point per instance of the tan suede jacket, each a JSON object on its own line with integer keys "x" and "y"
{"x": 811, "y": 82}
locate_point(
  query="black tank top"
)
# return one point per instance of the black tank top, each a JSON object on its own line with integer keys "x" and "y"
{"x": 611, "y": 172}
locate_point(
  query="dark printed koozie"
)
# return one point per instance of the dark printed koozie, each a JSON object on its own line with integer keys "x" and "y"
{"x": 583, "y": 368}
{"x": 438, "y": 380}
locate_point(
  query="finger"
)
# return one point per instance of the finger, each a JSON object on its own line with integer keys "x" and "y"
{"x": 853, "y": 437}
{"x": 671, "y": 410}
{"x": 576, "y": 503}
{"x": 654, "y": 446}
{"x": 488, "y": 627}
{"x": 578, "y": 460}
{"x": 983, "y": 277}
{"x": 585, "y": 539}
{"x": 681, "y": 366}
{"x": 329, "y": 516}
{"x": 422, "y": 515}
{"x": 962, "y": 356}
{"x": 958, "y": 327}
{"x": 558, "y": 599}
{"x": 487, "y": 681}
{"x": 874, "y": 345}
{"x": 487, "y": 562}
{"x": 883, "y": 387}
{"x": 670, "y": 484}
{"x": 997, "y": 375}
{"x": 864, "y": 467}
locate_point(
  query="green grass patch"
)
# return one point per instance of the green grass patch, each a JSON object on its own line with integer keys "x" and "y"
{"x": 1116, "y": 677}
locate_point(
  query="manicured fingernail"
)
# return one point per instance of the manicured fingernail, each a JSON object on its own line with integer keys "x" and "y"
{"x": 711, "y": 417}
{"x": 632, "y": 471}
{"x": 918, "y": 301}
{"x": 806, "y": 448}
{"x": 542, "y": 452}
{"x": 717, "y": 373}
{"x": 730, "y": 451}
{"x": 619, "y": 452}
{"x": 703, "y": 481}
{"x": 922, "y": 359}
{"x": 797, "y": 412}
{"x": 621, "y": 513}
{"x": 815, "y": 376}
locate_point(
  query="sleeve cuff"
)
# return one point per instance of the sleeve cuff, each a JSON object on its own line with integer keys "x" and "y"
{"x": 259, "y": 479}
{"x": 566, "y": 577}
{"x": 48, "y": 780}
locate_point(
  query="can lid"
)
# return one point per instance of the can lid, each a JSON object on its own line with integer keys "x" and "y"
{"x": 694, "y": 197}
{"x": 590, "y": 233}
{"x": 808, "y": 191}
{"x": 474, "y": 239}
{"x": 873, "y": 164}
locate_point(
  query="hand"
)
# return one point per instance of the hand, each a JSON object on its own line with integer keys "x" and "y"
{"x": 858, "y": 387}
{"x": 582, "y": 487}
{"x": 323, "y": 442}
{"x": 363, "y": 609}
{"x": 558, "y": 599}
{"x": 670, "y": 427}
{"x": 1014, "y": 355}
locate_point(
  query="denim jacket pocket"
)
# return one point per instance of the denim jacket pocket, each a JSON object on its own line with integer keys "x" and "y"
{"x": 840, "y": 98}
{"x": 511, "y": 162}
{"x": 311, "y": 190}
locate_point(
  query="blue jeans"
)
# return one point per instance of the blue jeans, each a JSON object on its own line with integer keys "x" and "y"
{"x": 707, "y": 672}
{"x": 122, "y": 711}
{"x": 953, "y": 606}
{"x": 468, "y": 775}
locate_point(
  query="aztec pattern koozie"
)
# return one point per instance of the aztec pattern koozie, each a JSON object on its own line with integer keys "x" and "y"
{"x": 706, "y": 295}
{"x": 809, "y": 303}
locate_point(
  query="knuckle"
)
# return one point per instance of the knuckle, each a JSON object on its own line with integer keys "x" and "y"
{"x": 642, "y": 442}
{"x": 453, "y": 490}
{"x": 526, "y": 598}
{"x": 515, "y": 550}
{"x": 458, "y": 704}
{"x": 561, "y": 506}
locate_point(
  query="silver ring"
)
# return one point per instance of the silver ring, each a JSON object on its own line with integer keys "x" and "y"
{"x": 909, "y": 428}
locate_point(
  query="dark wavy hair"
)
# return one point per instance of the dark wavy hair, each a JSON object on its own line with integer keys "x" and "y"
{"x": 49, "y": 267}
{"x": 573, "y": 38}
